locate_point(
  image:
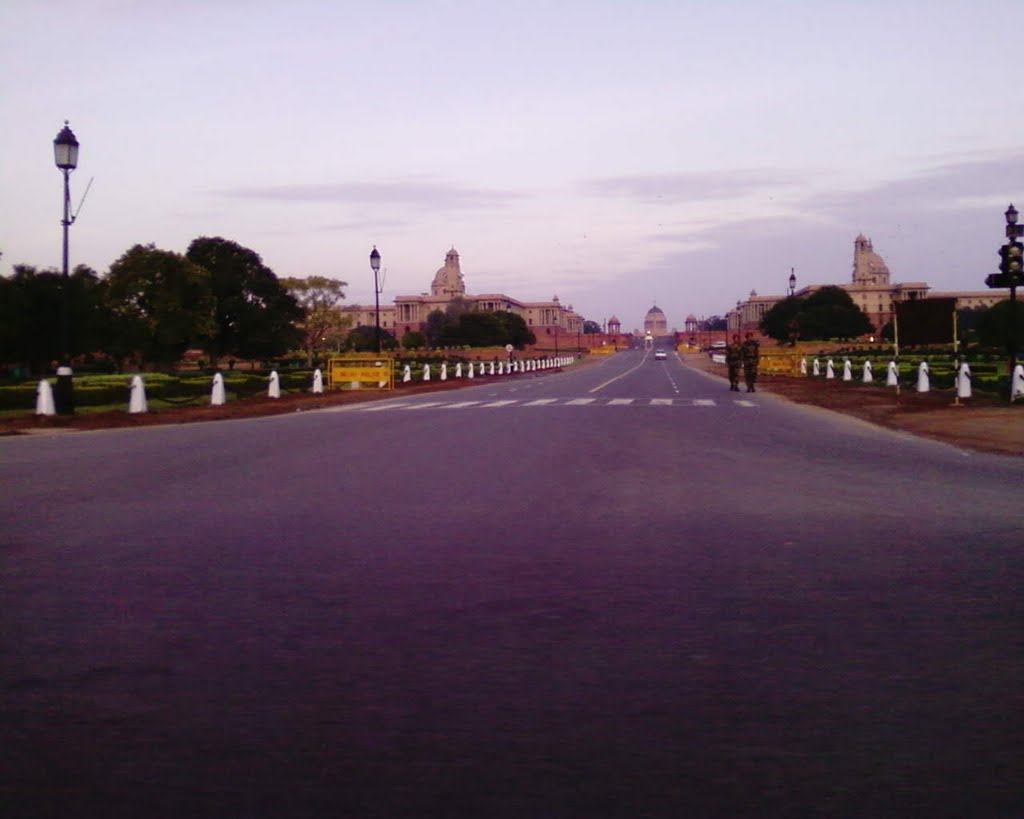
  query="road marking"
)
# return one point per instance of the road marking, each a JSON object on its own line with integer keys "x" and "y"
{"x": 620, "y": 402}
{"x": 703, "y": 402}
{"x": 381, "y": 408}
{"x": 579, "y": 402}
{"x": 459, "y": 404}
{"x": 540, "y": 402}
{"x": 661, "y": 402}
{"x": 424, "y": 405}
{"x": 498, "y": 404}
{"x": 627, "y": 372}
{"x": 739, "y": 403}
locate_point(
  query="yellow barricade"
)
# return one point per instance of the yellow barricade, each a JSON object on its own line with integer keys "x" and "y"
{"x": 366, "y": 372}
{"x": 772, "y": 363}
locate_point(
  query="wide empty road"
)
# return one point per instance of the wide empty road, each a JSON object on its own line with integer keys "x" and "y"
{"x": 619, "y": 591}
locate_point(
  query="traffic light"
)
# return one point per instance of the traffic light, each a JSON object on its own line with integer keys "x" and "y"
{"x": 1012, "y": 264}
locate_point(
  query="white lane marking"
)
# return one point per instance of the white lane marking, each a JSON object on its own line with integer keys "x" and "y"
{"x": 540, "y": 402}
{"x": 661, "y": 402}
{"x": 620, "y": 402}
{"x": 627, "y": 372}
{"x": 381, "y": 408}
{"x": 703, "y": 402}
{"x": 459, "y": 404}
{"x": 739, "y": 403}
{"x": 579, "y": 402}
{"x": 498, "y": 404}
{"x": 424, "y": 405}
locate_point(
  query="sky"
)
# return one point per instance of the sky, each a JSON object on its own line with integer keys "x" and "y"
{"x": 615, "y": 153}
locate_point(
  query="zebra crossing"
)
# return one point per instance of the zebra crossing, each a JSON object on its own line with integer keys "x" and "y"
{"x": 419, "y": 406}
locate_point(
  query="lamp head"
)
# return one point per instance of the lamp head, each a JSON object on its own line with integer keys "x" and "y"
{"x": 65, "y": 149}
{"x": 375, "y": 259}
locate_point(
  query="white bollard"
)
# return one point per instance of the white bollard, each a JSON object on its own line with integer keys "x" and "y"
{"x": 963, "y": 381}
{"x": 492, "y": 368}
{"x": 407, "y": 374}
{"x": 830, "y": 370}
{"x": 318, "y": 382}
{"x": 458, "y": 369}
{"x": 1017, "y": 383}
{"x": 847, "y": 370}
{"x": 44, "y": 399}
{"x": 867, "y": 377}
{"x": 471, "y": 369}
{"x": 501, "y": 368}
{"x": 444, "y": 370}
{"x": 274, "y": 390}
{"x": 426, "y": 372}
{"x": 803, "y": 366}
{"x": 817, "y": 368}
{"x": 137, "y": 396}
{"x": 217, "y": 395}
{"x": 923, "y": 383}
{"x": 892, "y": 378}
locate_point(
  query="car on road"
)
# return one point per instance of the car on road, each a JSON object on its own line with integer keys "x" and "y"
{"x": 660, "y": 355}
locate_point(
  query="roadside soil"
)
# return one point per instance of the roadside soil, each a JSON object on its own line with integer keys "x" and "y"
{"x": 981, "y": 423}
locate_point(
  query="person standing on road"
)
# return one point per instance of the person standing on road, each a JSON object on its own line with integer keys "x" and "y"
{"x": 733, "y": 360}
{"x": 751, "y": 355}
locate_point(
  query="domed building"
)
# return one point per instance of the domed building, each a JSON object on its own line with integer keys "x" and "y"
{"x": 448, "y": 281}
{"x": 655, "y": 323}
{"x": 868, "y": 267}
{"x": 614, "y": 325}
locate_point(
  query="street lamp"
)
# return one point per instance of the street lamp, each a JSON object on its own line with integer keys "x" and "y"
{"x": 792, "y": 281}
{"x": 65, "y": 156}
{"x": 375, "y": 264}
{"x": 1012, "y": 263}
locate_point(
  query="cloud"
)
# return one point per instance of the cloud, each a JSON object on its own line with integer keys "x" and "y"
{"x": 673, "y": 188}
{"x": 417, "y": 194}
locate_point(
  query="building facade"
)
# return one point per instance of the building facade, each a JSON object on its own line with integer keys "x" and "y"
{"x": 548, "y": 320}
{"x": 870, "y": 288}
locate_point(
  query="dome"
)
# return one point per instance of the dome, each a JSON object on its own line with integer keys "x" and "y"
{"x": 655, "y": 311}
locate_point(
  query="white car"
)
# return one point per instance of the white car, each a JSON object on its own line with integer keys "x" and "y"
{"x": 660, "y": 355}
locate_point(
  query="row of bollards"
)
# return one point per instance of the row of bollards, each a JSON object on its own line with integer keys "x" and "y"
{"x": 923, "y": 384}
{"x": 137, "y": 403}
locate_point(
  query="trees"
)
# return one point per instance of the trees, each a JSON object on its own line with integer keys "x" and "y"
{"x": 591, "y": 327}
{"x": 827, "y": 313}
{"x": 160, "y": 304}
{"x": 994, "y": 324}
{"x": 324, "y": 326}
{"x": 363, "y": 339}
{"x": 413, "y": 340}
{"x": 253, "y": 315}
{"x": 483, "y": 328}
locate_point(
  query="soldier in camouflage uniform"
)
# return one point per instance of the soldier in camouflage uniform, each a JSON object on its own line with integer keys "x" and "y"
{"x": 750, "y": 353}
{"x": 733, "y": 360}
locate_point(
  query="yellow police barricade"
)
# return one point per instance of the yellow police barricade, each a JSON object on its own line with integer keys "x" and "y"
{"x": 361, "y": 371}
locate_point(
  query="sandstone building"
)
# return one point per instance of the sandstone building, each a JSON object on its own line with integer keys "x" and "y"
{"x": 547, "y": 319}
{"x": 870, "y": 288}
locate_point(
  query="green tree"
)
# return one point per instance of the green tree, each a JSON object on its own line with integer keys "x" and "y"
{"x": 827, "y": 313}
{"x": 516, "y": 332}
{"x": 778, "y": 322}
{"x": 434, "y": 327}
{"x": 254, "y": 315}
{"x": 591, "y": 327}
{"x": 160, "y": 304}
{"x": 324, "y": 326}
{"x": 994, "y": 325}
{"x": 363, "y": 339}
{"x": 414, "y": 340}
{"x": 31, "y": 307}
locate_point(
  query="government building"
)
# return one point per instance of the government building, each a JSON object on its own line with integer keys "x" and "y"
{"x": 870, "y": 288}
{"x": 546, "y": 319}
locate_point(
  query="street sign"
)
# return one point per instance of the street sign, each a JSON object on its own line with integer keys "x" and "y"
{"x": 371, "y": 372}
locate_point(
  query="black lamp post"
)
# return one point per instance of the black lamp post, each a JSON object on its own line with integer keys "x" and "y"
{"x": 792, "y": 281}
{"x": 1013, "y": 274}
{"x": 65, "y": 156}
{"x": 375, "y": 264}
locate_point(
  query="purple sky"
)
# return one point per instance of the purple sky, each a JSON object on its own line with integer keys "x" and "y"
{"x": 613, "y": 153}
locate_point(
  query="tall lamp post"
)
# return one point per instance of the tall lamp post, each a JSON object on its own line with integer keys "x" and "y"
{"x": 1011, "y": 274}
{"x": 375, "y": 265}
{"x": 65, "y": 156}
{"x": 792, "y": 282}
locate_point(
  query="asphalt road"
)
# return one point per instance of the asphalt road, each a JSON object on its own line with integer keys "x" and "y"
{"x": 615, "y": 591}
